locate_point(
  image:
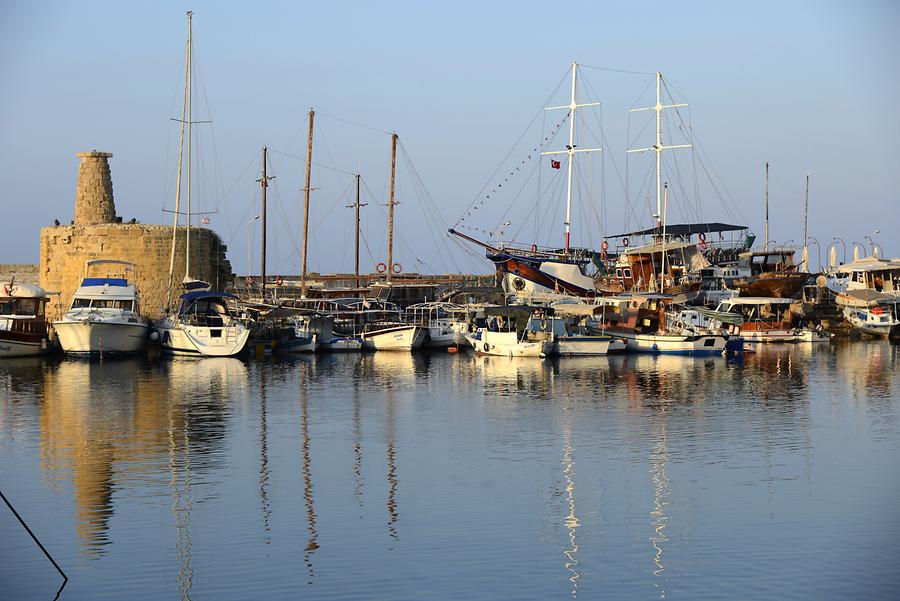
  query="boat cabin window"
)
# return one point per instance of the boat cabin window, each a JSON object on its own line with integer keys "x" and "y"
{"x": 102, "y": 303}
{"x": 627, "y": 272}
{"x": 22, "y": 306}
{"x": 861, "y": 277}
{"x": 618, "y": 273}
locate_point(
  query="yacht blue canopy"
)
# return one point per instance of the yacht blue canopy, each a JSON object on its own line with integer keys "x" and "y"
{"x": 104, "y": 282}
{"x": 189, "y": 296}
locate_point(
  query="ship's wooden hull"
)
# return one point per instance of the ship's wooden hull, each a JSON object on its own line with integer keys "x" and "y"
{"x": 772, "y": 284}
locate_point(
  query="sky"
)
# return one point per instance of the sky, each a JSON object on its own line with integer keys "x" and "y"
{"x": 810, "y": 87}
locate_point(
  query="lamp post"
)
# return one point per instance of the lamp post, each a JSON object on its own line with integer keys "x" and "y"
{"x": 818, "y": 250}
{"x": 876, "y": 248}
{"x": 250, "y": 245}
{"x": 844, "y": 245}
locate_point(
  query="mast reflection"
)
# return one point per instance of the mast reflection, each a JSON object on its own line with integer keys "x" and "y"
{"x": 661, "y": 491}
{"x": 391, "y": 466}
{"x": 571, "y": 519}
{"x": 264, "y": 459}
{"x": 180, "y": 485}
{"x": 309, "y": 501}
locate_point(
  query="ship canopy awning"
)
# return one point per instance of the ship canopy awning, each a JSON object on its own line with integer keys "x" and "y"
{"x": 684, "y": 229}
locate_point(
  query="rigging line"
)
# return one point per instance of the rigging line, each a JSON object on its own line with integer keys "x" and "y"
{"x": 293, "y": 238}
{"x": 322, "y": 165}
{"x": 341, "y": 199}
{"x": 696, "y": 141}
{"x": 540, "y": 170}
{"x": 536, "y": 165}
{"x": 239, "y": 178}
{"x": 556, "y": 208}
{"x": 615, "y": 70}
{"x": 536, "y": 168}
{"x": 719, "y": 177}
{"x": 644, "y": 91}
{"x": 433, "y": 219}
{"x": 694, "y": 160}
{"x": 375, "y": 129}
{"x": 516, "y": 144}
{"x": 633, "y": 141}
{"x": 673, "y": 170}
{"x": 586, "y": 182}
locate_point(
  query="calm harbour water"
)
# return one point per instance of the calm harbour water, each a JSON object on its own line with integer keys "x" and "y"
{"x": 438, "y": 476}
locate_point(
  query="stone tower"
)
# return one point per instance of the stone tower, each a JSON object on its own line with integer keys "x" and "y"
{"x": 94, "y": 197}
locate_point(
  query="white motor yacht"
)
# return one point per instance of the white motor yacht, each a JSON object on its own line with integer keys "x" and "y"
{"x": 104, "y": 316}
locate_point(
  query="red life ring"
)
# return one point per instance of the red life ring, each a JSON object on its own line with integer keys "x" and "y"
{"x": 603, "y": 255}
{"x": 624, "y": 241}
{"x": 381, "y": 267}
{"x": 279, "y": 280}
{"x": 604, "y": 246}
{"x": 397, "y": 268}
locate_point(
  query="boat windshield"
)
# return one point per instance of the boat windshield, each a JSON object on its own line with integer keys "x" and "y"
{"x": 103, "y": 303}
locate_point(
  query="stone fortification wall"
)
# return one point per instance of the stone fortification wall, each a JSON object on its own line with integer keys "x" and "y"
{"x": 24, "y": 273}
{"x": 65, "y": 249}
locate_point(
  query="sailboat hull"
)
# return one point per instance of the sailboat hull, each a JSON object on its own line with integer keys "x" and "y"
{"x": 181, "y": 339}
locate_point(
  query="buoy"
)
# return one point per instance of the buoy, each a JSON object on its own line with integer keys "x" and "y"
{"x": 452, "y": 349}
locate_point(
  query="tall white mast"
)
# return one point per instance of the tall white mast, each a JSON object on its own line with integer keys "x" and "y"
{"x": 187, "y": 62}
{"x": 570, "y": 149}
{"x": 187, "y": 252}
{"x": 658, "y": 147}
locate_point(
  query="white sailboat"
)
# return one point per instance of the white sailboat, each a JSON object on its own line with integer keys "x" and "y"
{"x": 207, "y": 323}
{"x": 104, "y": 316}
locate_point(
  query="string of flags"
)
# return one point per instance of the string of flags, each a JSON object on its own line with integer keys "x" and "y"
{"x": 499, "y": 187}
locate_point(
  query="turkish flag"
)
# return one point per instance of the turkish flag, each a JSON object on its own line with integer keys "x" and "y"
{"x": 555, "y": 164}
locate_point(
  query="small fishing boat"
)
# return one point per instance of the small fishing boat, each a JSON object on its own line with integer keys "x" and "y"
{"x": 769, "y": 320}
{"x": 340, "y": 344}
{"x": 446, "y": 323}
{"x": 641, "y": 321}
{"x": 104, "y": 316}
{"x": 876, "y": 320}
{"x": 503, "y": 331}
{"x": 301, "y": 335}
{"x": 23, "y": 325}
{"x": 379, "y": 324}
{"x": 701, "y": 320}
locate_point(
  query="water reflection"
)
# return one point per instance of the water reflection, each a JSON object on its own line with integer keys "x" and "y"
{"x": 661, "y": 491}
{"x": 264, "y": 461}
{"x": 308, "y": 499}
{"x": 511, "y": 376}
{"x": 668, "y": 437}
{"x": 104, "y": 425}
{"x": 571, "y": 519}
